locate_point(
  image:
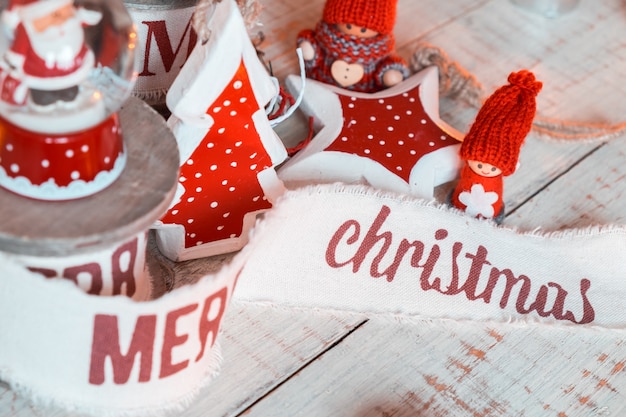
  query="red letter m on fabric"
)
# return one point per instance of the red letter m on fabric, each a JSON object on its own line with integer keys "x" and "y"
{"x": 158, "y": 31}
{"x": 106, "y": 342}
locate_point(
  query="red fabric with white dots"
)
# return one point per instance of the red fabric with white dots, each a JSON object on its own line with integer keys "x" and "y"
{"x": 220, "y": 176}
{"x": 393, "y": 131}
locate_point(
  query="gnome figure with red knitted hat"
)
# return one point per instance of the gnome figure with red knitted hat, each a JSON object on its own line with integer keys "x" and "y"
{"x": 353, "y": 46}
{"x": 491, "y": 148}
{"x": 48, "y": 54}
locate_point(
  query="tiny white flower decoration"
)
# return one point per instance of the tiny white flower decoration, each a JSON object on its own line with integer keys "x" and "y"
{"x": 478, "y": 201}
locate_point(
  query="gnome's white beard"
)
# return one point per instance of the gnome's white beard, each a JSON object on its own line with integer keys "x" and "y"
{"x": 58, "y": 46}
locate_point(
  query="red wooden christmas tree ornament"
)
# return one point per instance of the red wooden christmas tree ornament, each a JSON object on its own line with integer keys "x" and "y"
{"x": 228, "y": 148}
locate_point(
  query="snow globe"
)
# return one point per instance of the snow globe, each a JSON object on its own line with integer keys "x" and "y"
{"x": 66, "y": 68}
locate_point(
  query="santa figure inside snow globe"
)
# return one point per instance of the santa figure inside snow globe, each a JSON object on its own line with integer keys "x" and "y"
{"x": 66, "y": 67}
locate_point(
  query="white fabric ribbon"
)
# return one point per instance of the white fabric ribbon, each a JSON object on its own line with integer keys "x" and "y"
{"x": 357, "y": 249}
{"x": 109, "y": 356}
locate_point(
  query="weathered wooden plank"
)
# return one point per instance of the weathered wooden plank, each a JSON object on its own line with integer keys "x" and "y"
{"x": 442, "y": 368}
{"x": 593, "y": 193}
{"x": 263, "y": 347}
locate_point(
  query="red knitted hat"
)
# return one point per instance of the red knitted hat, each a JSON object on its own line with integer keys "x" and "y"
{"x": 378, "y": 15}
{"x": 502, "y": 123}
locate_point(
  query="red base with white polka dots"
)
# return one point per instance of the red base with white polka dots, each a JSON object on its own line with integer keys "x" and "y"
{"x": 60, "y": 166}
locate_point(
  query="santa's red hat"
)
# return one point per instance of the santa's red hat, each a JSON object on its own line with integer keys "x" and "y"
{"x": 26, "y": 10}
{"x": 378, "y": 15}
{"x": 502, "y": 123}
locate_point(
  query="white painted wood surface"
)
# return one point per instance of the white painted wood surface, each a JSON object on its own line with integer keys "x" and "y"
{"x": 280, "y": 362}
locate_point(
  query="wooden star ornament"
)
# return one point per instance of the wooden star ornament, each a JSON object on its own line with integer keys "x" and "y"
{"x": 393, "y": 139}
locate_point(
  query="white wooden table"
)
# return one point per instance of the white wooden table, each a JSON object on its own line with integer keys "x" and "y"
{"x": 303, "y": 363}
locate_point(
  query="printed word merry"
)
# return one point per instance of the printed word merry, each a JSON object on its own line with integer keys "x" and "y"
{"x": 112, "y": 274}
{"x": 205, "y": 320}
{"x": 477, "y": 283}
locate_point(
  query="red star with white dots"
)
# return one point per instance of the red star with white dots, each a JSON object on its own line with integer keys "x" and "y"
{"x": 392, "y": 139}
{"x": 394, "y": 131}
